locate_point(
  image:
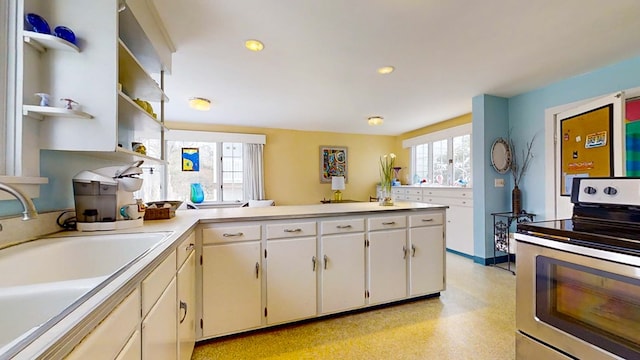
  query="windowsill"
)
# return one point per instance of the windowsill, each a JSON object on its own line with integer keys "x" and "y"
{"x": 29, "y": 185}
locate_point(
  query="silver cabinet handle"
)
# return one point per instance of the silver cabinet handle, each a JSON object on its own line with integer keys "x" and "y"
{"x": 404, "y": 251}
{"x": 183, "y": 306}
{"x": 413, "y": 250}
{"x": 313, "y": 262}
{"x": 189, "y": 247}
{"x": 326, "y": 260}
{"x": 292, "y": 230}
{"x": 257, "y": 269}
{"x": 343, "y": 226}
{"x": 427, "y": 220}
{"x": 231, "y": 235}
{"x": 389, "y": 223}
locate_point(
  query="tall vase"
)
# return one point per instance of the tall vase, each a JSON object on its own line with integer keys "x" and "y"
{"x": 516, "y": 200}
{"x": 197, "y": 194}
{"x": 386, "y": 195}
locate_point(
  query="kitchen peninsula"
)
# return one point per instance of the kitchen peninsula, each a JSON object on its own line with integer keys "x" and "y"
{"x": 252, "y": 268}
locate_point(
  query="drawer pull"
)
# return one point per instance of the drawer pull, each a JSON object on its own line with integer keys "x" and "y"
{"x": 389, "y": 223}
{"x": 404, "y": 252}
{"x": 189, "y": 247}
{"x": 343, "y": 226}
{"x": 232, "y": 235}
{"x": 313, "y": 263}
{"x": 183, "y": 305}
{"x": 427, "y": 220}
{"x": 326, "y": 260}
{"x": 257, "y": 269}
{"x": 413, "y": 250}
{"x": 292, "y": 230}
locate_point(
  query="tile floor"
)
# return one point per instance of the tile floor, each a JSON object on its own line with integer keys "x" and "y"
{"x": 473, "y": 319}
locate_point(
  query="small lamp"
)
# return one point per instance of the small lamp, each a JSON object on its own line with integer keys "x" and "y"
{"x": 337, "y": 184}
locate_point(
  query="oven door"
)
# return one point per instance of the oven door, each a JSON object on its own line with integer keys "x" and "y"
{"x": 587, "y": 306}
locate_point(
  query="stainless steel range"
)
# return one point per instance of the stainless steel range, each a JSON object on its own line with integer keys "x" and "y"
{"x": 578, "y": 280}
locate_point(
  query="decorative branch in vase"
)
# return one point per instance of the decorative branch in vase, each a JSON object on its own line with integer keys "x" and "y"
{"x": 386, "y": 178}
{"x": 518, "y": 170}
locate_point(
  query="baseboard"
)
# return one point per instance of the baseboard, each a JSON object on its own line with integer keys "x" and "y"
{"x": 460, "y": 253}
{"x": 490, "y": 261}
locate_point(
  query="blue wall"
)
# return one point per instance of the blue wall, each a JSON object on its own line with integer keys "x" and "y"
{"x": 525, "y": 118}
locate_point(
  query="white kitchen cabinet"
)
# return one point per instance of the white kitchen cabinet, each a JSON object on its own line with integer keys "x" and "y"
{"x": 387, "y": 265}
{"x": 342, "y": 273}
{"x": 291, "y": 279}
{"x": 459, "y": 227}
{"x": 187, "y": 307}
{"x": 426, "y": 254}
{"x": 231, "y": 287}
{"x": 113, "y": 333}
{"x": 132, "y": 349}
{"x": 159, "y": 328}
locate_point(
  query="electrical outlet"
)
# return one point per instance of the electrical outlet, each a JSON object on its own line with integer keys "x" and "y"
{"x": 498, "y": 182}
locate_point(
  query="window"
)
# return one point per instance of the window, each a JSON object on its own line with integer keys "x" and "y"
{"x": 441, "y": 158}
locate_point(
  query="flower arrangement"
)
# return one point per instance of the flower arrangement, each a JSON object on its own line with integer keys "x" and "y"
{"x": 386, "y": 178}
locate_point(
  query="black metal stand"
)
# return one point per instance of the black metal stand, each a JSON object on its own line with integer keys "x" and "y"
{"x": 501, "y": 233}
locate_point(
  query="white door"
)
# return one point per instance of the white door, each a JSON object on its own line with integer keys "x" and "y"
{"x": 342, "y": 272}
{"x": 387, "y": 265}
{"x": 579, "y": 163}
{"x": 426, "y": 260}
{"x": 231, "y": 288}
{"x": 159, "y": 329}
{"x": 187, "y": 307}
{"x": 291, "y": 279}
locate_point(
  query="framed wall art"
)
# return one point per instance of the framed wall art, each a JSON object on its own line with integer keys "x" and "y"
{"x": 190, "y": 159}
{"x": 333, "y": 162}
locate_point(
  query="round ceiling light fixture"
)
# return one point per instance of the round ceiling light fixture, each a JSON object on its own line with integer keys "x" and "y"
{"x": 254, "y": 45}
{"x": 375, "y": 120}
{"x": 199, "y": 103}
{"x": 386, "y": 70}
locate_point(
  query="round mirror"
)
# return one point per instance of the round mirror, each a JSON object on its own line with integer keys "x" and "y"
{"x": 501, "y": 155}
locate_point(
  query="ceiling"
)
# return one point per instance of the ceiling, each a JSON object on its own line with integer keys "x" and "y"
{"x": 318, "y": 68}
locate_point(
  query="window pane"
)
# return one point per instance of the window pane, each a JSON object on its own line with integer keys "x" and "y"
{"x": 422, "y": 163}
{"x": 178, "y": 181}
{"x": 441, "y": 174}
{"x": 462, "y": 159}
{"x": 232, "y": 172}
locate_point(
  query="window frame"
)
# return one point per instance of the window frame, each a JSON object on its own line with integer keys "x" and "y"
{"x": 429, "y": 139}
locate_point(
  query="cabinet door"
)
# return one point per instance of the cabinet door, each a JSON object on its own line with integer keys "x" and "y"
{"x": 291, "y": 279}
{"x": 159, "y": 328}
{"x": 231, "y": 288}
{"x": 342, "y": 272}
{"x": 187, "y": 307}
{"x": 426, "y": 260}
{"x": 460, "y": 229}
{"x": 133, "y": 349}
{"x": 387, "y": 265}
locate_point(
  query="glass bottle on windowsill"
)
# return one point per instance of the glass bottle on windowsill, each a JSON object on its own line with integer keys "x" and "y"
{"x": 197, "y": 194}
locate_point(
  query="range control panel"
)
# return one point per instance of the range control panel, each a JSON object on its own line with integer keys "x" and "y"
{"x": 615, "y": 191}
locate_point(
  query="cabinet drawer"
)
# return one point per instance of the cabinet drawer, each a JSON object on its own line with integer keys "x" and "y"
{"x": 413, "y": 191}
{"x": 185, "y": 248}
{"x": 279, "y": 231}
{"x": 449, "y": 193}
{"x": 154, "y": 284}
{"x": 461, "y": 202}
{"x": 398, "y": 191}
{"x": 413, "y": 197}
{"x": 342, "y": 226}
{"x": 224, "y": 234}
{"x": 425, "y": 219}
{"x": 387, "y": 222}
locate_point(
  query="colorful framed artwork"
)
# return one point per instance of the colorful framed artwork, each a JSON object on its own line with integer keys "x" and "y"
{"x": 190, "y": 159}
{"x": 333, "y": 162}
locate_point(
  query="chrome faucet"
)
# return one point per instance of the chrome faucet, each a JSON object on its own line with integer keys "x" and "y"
{"x": 30, "y": 211}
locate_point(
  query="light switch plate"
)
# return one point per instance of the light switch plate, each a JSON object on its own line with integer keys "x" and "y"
{"x": 498, "y": 182}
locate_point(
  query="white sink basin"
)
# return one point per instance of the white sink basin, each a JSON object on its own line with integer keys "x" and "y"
{"x": 72, "y": 257}
{"x": 42, "y": 278}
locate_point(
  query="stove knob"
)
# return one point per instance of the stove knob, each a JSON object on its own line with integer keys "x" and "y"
{"x": 590, "y": 190}
{"x": 610, "y": 190}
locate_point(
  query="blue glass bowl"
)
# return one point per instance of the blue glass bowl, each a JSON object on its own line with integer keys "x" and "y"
{"x": 34, "y": 22}
{"x": 65, "y": 33}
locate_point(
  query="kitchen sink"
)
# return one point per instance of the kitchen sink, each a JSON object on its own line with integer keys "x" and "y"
{"x": 42, "y": 278}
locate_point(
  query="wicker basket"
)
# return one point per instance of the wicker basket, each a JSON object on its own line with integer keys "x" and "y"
{"x": 159, "y": 214}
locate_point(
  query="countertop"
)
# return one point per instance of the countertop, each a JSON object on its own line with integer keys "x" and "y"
{"x": 106, "y": 298}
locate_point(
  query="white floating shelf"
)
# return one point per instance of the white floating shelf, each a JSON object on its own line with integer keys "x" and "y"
{"x": 41, "y": 42}
{"x": 40, "y": 112}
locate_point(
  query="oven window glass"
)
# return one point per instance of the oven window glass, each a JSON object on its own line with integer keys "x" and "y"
{"x": 599, "y": 307}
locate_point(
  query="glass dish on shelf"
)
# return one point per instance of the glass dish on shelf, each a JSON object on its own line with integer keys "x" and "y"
{"x": 36, "y": 23}
{"x": 65, "y": 33}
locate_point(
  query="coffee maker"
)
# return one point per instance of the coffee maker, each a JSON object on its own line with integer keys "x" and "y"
{"x": 104, "y": 198}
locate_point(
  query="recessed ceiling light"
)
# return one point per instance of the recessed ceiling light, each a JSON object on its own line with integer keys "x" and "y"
{"x": 254, "y": 45}
{"x": 375, "y": 120}
{"x": 199, "y": 103}
{"x": 386, "y": 70}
